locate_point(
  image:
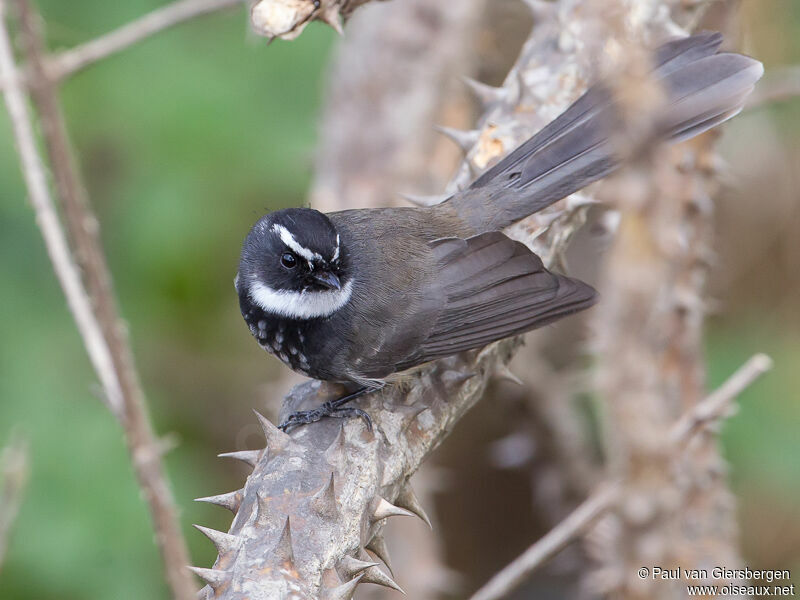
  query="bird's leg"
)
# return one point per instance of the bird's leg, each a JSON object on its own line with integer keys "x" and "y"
{"x": 331, "y": 408}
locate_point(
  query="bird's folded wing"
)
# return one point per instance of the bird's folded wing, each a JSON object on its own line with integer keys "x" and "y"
{"x": 495, "y": 287}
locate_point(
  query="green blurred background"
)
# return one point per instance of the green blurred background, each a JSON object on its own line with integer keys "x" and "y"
{"x": 184, "y": 140}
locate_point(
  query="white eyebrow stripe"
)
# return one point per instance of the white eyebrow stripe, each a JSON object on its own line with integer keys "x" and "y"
{"x": 336, "y": 253}
{"x": 299, "y": 305}
{"x": 288, "y": 239}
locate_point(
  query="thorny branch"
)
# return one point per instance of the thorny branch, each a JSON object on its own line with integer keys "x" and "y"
{"x": 93, "y": 306}
{"x": 675, "y": 508}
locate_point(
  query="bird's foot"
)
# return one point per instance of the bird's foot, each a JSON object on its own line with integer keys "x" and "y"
{"x": 332, "y": 408}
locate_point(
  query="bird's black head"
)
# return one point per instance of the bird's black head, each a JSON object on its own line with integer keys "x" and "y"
{"x": 294, "y": 265}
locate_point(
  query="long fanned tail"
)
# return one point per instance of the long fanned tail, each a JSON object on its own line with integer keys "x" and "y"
{"x": 703, "y": 87}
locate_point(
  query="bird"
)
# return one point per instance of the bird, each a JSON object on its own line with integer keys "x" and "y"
{"x": 361, "y": 296}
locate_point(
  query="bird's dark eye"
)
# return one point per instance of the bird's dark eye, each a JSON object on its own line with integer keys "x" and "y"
{"x": 289, "y": 260}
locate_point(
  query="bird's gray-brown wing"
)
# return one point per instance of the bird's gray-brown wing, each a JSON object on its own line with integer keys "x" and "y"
{"x": 493, "y": 288}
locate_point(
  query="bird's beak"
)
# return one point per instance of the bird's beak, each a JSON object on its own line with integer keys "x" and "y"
{"x": 328, "y": 280}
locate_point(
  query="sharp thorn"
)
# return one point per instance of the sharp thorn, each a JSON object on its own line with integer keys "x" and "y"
{"x": 277, "y": 440}
{"x": 331, "y": 16}
{"x": 425, "y": 201}
{"x": 344, "y": 591}
{"x": 324, "y": 501}
{"x": 465, "y": 139}
{"x": 213, "y": 577}
{"x": 350, "y": 566}
{"x": 375, "y": 575}
{"x": 377, "y": 545}
{"x": 408, "y": 499}
{"x": 384, "y": 510}
{"x": 336, "y": 450}
{"x": 249, "y": 457}
{"x": 486, "y": 94}
{"x": 283, "y": 550}
{"x": 232, "y": 500}
{"x": 223, "y": 541}
{"x": 503, "y": 372}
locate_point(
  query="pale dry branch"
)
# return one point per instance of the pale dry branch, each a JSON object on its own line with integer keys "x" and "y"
{"x": 714, "y": 408}
{"x": 570, "y": 529}
{"x": 720, "y": 403}
{"x": 95, "y": 304}
{"x": 14, "y": 473}
{"x": 675, "y": 508}
{"x": 46, "y": 217}
{"x": 67, "y": 63}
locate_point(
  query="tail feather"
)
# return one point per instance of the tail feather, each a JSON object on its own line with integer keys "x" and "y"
{"x": 703, "y": 88}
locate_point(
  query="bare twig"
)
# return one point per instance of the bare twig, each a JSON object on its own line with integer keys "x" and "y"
{"x": 65, "y": 268}
{"x": 778, "y": 85}
{"x": 70, "y": 61}
{"x": 13, "y": 480}
{"x": 117, "y": 371}
{"x": 714, "y": 407}
{"x": 718, "y": 404}
{"x": 570, "y": 529}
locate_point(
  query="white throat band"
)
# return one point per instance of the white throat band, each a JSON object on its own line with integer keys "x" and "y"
{"x": 299, "y": 305}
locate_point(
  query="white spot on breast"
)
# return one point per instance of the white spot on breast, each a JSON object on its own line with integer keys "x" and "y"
{"x": 262, "y": 325}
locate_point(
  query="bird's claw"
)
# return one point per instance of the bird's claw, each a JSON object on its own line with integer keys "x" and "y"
{"x": 328, "y": 409}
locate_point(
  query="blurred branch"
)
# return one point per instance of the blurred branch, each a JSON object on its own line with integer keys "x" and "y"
{"x": 286, "y": 19}
{"x": 720, "y": 403}
{"x": 62, "y": 65}
{"x": 715, "y": 407}
{"x": 779, "y": 85}
{"x": 571, "y": 528}
{"x": 46, "y": 217}
{"x": 14, "y": 472}
{"x": 675, "y": 507}
{"x": 95, "y": 311}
